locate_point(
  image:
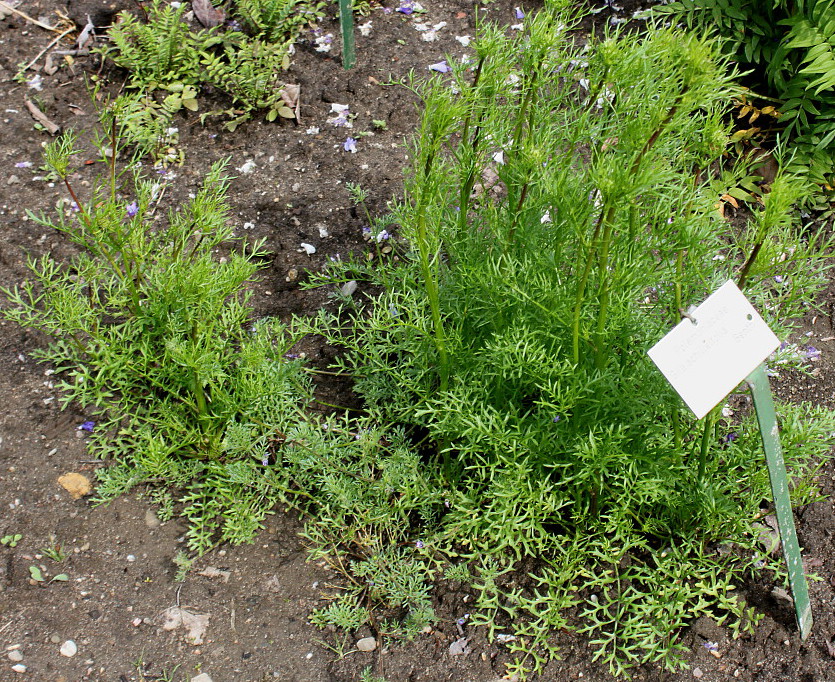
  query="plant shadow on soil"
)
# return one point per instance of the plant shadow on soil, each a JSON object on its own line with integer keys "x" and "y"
{"x": 119, "y": 557}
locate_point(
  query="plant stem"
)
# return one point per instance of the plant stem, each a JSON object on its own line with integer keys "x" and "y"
{"x": 430, "y": 278}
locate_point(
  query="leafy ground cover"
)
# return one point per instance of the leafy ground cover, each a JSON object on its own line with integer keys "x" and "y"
{"x": 365, "y": 465}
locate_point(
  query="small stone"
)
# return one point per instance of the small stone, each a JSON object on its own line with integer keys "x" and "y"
{"x": 55, "y": 639}
{"x": 349, "y": 288}
{"x": 15, "y": 656}
{"x": 12, "y": 180}
{"x": 69, "y": 649}
{"x": 292, "y": 275}
{"x": 75, "y": 484}
{"x": 130, "y": 558}
{"x": 151, "y": 519}
{"x": 19, "y": 668}
{"x": 202, "y": 677}
{"x": 697, "y": 673}
{"x": 367, "y": 644}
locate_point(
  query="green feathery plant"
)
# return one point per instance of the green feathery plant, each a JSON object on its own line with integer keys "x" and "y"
{"x": 154, "y": 335}
{"x": 790, "y": 48}
{"x": 555, "y": 226}
{"x": 278, "y": 21}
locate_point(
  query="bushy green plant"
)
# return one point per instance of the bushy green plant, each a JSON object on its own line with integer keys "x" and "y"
{"x": 554, "y": 228}
{"x": 790, "y": 46}
{"x": 164, "y": 55}
{"x": 278, "y": 21}
{"x": 154, "y": 335}
{"x": 160, "y": 52}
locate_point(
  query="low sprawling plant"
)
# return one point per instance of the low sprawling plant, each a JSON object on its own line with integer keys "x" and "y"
{"x": 788, "y": 46}
{"x": 556, "y": 225}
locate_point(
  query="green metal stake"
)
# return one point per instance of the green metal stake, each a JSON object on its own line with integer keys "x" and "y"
{"x": 767, "y": 418}
{"x": 346, "y": 25}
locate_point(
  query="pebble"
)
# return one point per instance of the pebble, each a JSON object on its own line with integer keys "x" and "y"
{"x": 15, "y": 656}
{"x": 19, "y": 668}
{"x": 697, "y": 673}
{"x": 130, "y": 558}
{"x": 69, "y": 648}
{"x": 55, "y": 639}
{"x": 202, "y": 677}
{"x": 151, "y": 519}
{"x": 12, "y": 180}
{"x": 367, "y": 644}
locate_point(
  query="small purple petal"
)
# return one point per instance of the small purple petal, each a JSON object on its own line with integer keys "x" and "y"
{"x": 350, "y": 145}
{"x": 406, "y": 7}
{"x": 419, "y": 544}
{"x": 132, "y": 209}
{"x": 23, "y": 164}
{"x": 87, "y": 426}
{"x": 519, "y": 13}
{"x": 778, "y": 279}
{"x": 812, "y": 353}
{"x": 440, "y": 67}
{"x": 730, "y": 437}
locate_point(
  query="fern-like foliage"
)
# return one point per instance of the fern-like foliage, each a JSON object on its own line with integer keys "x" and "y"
{"x": 790, "y": 48}
{"x": 163, "y": 50}
{"x": 278, "y": 21}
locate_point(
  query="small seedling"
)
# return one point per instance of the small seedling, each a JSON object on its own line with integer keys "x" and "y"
{"x": 54, "y": 551}
{"x": 11, "y": 540}
{"x": 380, "y": 124}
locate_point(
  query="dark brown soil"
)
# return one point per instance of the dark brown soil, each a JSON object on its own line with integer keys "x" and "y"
{"x": 258, "y": 597}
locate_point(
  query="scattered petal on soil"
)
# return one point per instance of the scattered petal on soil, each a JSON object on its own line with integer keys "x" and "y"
{"x": 309, "y": 249}
{"x": 350, "y": 145}
{"x": 440, "y": 67}
{"x": 464, "y": 40}
{"x": 247, "y": 168}
{"x": 365, "y": 29}
{"x": 324, "y": 43}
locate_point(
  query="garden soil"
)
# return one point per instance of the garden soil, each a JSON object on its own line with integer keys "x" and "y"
{"x": 242, "y": 613}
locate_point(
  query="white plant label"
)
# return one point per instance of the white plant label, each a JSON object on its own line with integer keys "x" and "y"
{"x": 706, "y": 356}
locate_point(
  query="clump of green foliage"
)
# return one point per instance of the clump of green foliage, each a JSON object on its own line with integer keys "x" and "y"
{"x": 790, "y": 49}
{"x": 154, "y": 334}
{"x": 164, "y": 55}
{"x": 554, "y": 228}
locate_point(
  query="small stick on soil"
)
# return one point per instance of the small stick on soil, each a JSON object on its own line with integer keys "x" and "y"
{"x": 46, "y": 49}
{"x": 41, "y": 118}
{"x": 8, "y": 8}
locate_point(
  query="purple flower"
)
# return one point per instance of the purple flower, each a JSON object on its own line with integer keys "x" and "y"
{"x": 265, "y": 461}
{"x": 519, "y": 13}
{"x": 710, "y": 646}
{"x": 87, "y": 426}
{"x": 350, "y": 145}
{"x": 419, "y": 544}
{"x": 778, "y": 279}
{"x": 556, "y": 419}
{"x": 440, "y": 67}
{"x": 132, "y": 209}
{"x": 730, "y": 437}
{"x": 23, "y": 164}
{"x": 812, "y": 353}
{"x": 74, "y": 207}
{"x": 406, "y": 7}
{"x": 383, "y": 236}
{"x": 366, "y": 232}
